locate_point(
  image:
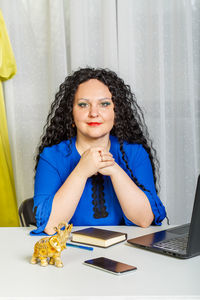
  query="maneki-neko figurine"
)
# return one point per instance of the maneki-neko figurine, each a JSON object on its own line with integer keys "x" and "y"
{"x": 48, "y": 250}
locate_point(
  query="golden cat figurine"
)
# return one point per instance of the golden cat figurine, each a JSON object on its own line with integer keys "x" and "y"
{"x": 48, "y": 249}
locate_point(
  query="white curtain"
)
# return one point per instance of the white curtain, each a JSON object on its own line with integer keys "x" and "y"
{"x": 37, "y": 33}
{"x": 152, "y": 44}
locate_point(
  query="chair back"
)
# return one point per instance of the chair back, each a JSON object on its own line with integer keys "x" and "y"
{"x": 26, "y": 214}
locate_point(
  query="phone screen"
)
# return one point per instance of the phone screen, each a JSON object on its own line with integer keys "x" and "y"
{"x": 110, "y": 265}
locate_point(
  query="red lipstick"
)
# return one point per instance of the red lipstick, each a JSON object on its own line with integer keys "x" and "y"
{"x": 94, "y": 124}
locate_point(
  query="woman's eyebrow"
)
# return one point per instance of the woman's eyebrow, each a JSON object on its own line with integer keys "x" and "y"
{"x": 106, "y": 98}
{"x": 85, "y": 99}
{"x": 101, "y": 99}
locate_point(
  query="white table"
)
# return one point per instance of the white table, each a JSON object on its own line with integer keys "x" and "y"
{"x": 158, "y": 276}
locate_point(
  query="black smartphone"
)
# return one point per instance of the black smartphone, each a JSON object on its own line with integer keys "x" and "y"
{"x": 109, "y": 265}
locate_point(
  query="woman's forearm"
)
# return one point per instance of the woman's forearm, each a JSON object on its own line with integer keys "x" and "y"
{"x": 133, "y": 200}
{"x": 66, "y": 199}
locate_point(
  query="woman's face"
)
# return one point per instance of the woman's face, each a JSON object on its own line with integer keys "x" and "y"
{"x": 93, "y": 109}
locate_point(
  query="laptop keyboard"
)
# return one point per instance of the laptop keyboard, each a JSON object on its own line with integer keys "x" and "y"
{"x": 177, "y": 244}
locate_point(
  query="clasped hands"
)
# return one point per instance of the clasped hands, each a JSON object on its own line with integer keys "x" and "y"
{"x": 96, "y": 160}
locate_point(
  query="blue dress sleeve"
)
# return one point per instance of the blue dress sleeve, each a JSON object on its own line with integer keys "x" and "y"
{"x": 47, "y": 183}
{"x": 142, "y": 170}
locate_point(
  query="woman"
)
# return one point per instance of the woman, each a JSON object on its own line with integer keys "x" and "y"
{"x": 95, "y": 164}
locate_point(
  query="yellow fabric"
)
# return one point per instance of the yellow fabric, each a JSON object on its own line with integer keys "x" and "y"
{"x": 8, "y": 203}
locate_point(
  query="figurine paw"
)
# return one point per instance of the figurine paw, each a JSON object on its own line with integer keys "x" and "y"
{"x": 33, "y": 260}
{"x": 60, "y": 265}
{"x": 58, "y": 262}
{"x": 44, "y": 263}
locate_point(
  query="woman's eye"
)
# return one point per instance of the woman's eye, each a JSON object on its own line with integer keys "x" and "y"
{"x": 82, "y": 104}
{"x": 104, "y": 104}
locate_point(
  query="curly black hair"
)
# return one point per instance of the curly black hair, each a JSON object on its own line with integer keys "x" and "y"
{"x": 129, "y": 122}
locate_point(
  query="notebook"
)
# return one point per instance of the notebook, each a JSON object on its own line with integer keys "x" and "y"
{"x": 181, "y": 241}
{"x": 98, "y": 237}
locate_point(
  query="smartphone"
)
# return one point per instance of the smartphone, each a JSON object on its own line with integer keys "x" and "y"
{"x": 109, "y": 265}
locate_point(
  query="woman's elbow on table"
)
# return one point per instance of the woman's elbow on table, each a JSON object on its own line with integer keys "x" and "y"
{"x": 146, "y": 222}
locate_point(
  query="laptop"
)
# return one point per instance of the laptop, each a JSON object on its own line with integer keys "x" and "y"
{"x": 181, "y": 241}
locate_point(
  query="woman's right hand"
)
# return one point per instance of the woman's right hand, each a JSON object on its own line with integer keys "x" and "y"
{"x": 94, "y": 159}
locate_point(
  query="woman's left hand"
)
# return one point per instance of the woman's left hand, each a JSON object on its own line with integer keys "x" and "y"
{"x": 107, "y": 171}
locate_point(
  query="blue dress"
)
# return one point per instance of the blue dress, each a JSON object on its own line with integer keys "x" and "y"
{"x": 58, "y": 161}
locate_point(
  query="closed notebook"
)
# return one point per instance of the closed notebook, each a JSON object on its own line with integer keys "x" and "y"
{"x": 98, "y": 237}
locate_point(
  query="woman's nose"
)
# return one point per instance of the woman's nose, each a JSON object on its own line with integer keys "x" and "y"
{"x": 93, "y": 111}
